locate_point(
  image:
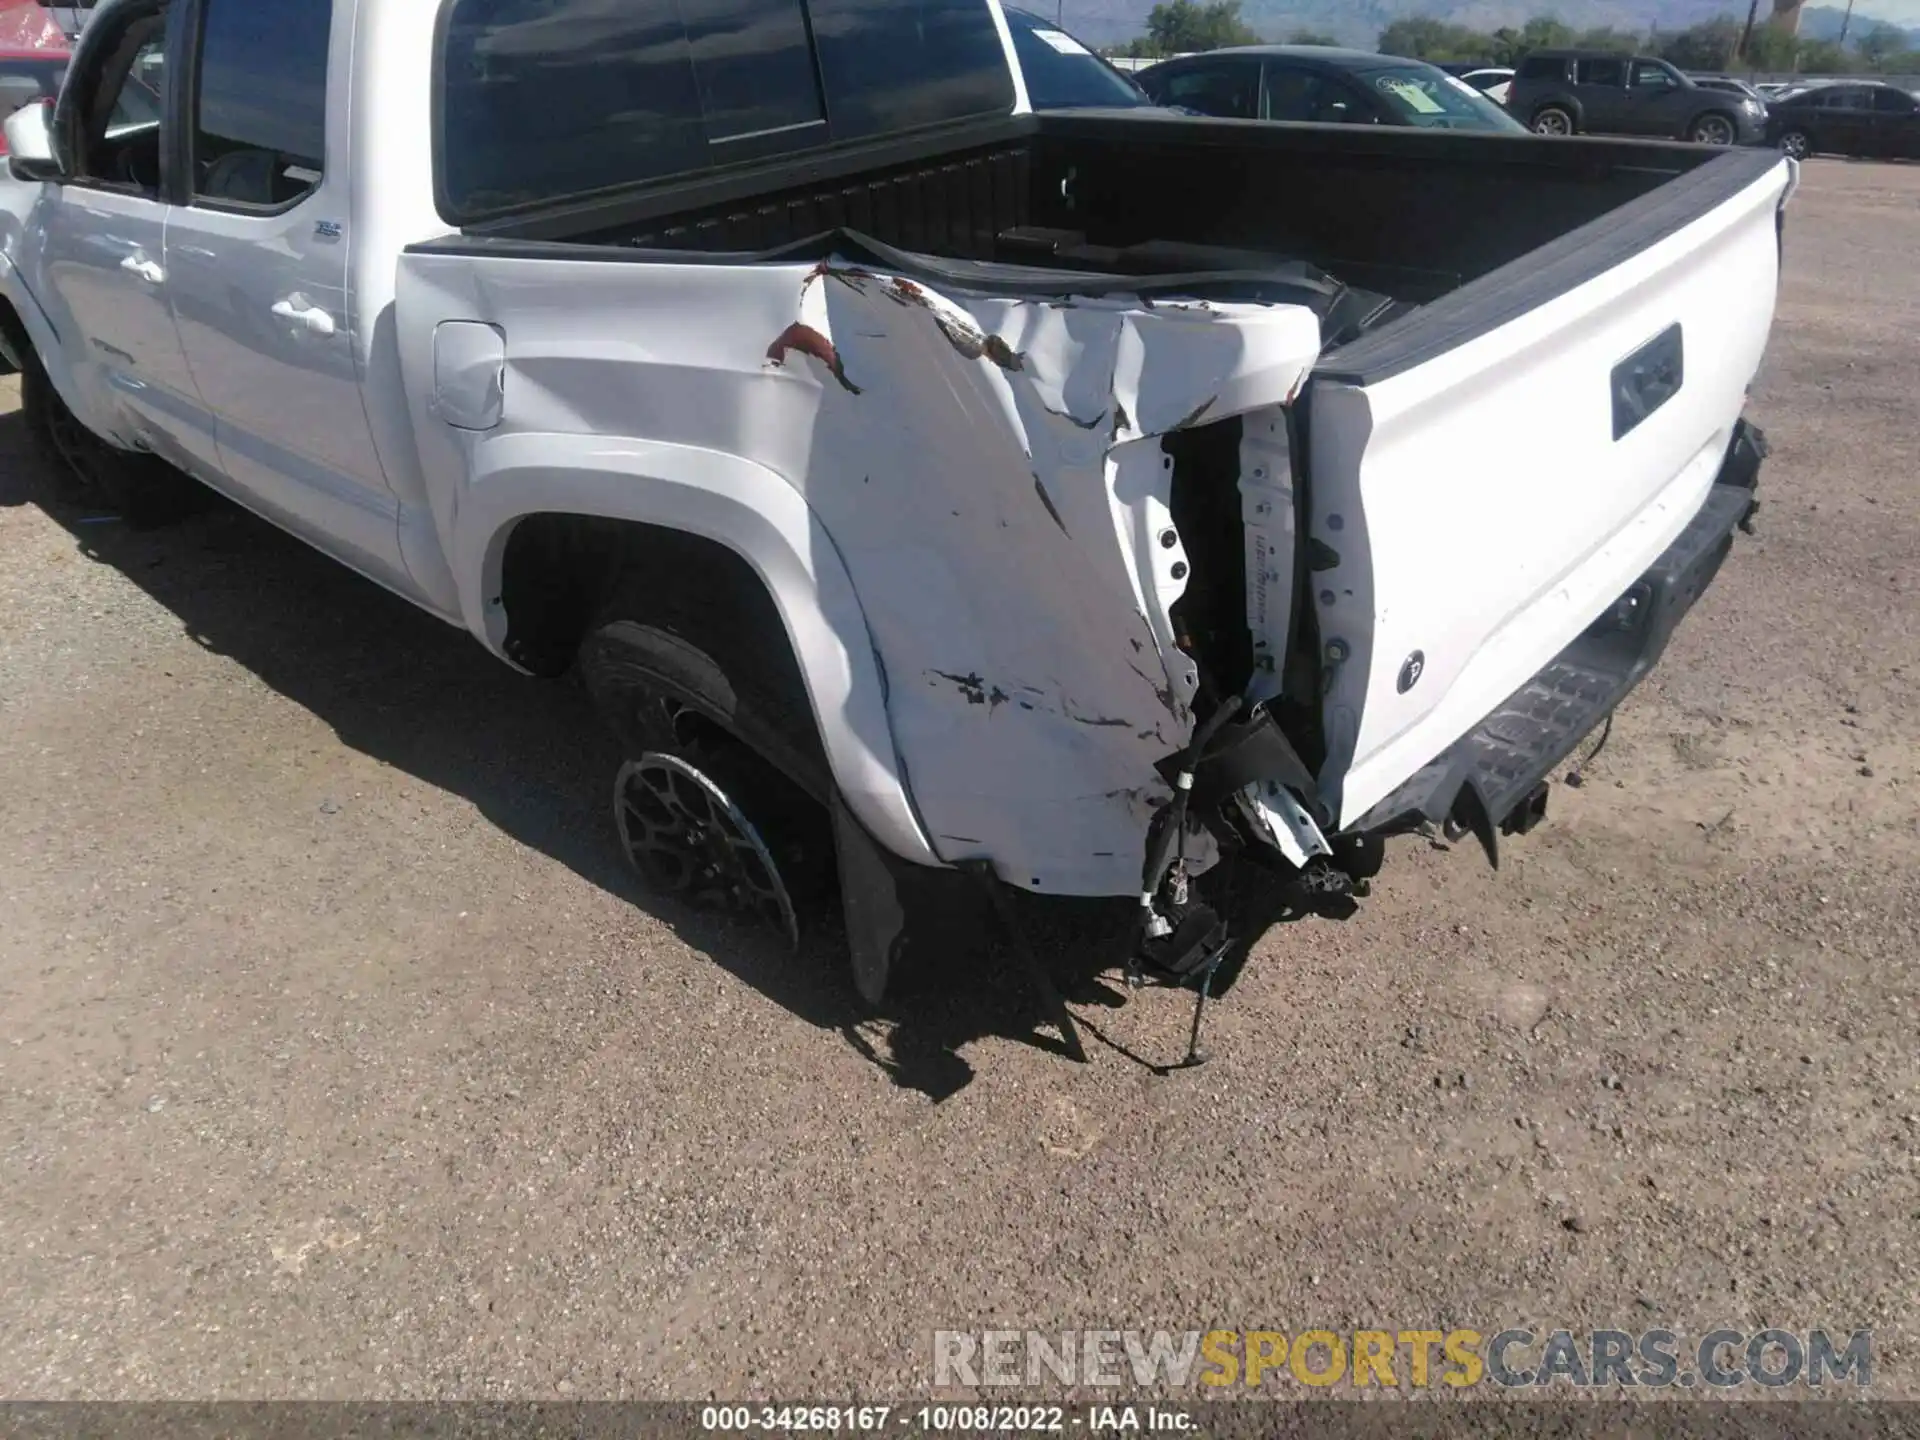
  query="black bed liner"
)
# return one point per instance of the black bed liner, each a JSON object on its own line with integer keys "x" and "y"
{"x": 1448, "y": 233}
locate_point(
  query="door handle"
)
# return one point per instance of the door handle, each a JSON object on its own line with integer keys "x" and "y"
{"x": 147, "y": 270}
{"x": 297, "y": 308}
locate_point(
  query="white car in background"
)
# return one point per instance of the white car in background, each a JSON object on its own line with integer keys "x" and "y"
{"x": 1492, "y": 82}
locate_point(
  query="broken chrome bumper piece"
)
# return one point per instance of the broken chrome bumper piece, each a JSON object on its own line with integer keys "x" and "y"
{"x": 1492, "y": 780}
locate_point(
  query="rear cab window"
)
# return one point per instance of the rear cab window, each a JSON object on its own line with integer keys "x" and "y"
{"x": 540, "y": 102}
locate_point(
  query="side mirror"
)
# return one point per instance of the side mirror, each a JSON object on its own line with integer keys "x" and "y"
{"x": 30, "y": 154}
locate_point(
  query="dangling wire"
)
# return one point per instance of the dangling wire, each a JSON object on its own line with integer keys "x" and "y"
{"x": 1576, "y": 777}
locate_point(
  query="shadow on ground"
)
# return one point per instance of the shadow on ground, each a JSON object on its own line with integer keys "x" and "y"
{"x": 402, "y": 687}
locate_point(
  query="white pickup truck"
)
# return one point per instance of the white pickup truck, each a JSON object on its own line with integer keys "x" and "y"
{"x": 935, "y": 495}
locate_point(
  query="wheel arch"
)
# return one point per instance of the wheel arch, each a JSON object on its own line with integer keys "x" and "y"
{"x": 550, "y": 523}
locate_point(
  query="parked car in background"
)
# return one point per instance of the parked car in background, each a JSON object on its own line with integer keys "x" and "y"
{"x": 1322, "y": 83}
{"x": 26, "y": 26}
{"x": 1865, "y": 118}
{"x": 28, "y": 77}
{"x": 1494, "y": 84}
{"x": 1064, "y": 74}
{"x": 1491, "y": 81}
{"x": 1730, "y": 85}
{"x": 69, "y": 20}
{"x": 34, "y": 77}
{"x": 1575, "y": 92}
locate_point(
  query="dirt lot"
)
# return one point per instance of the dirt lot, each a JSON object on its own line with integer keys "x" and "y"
{"x": 336, "y": 1058}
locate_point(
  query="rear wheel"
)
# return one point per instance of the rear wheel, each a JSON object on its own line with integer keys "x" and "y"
{"x": 704, "y": 808}
{"x": 1553, "y": 120}
{"x": 1796, "y": 144}
{"x": 1712, "y": 129}
{"x": 686, "y": 834}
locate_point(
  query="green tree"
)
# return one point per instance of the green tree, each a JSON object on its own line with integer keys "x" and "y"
{"x": 1823, "y": 57}
{"x": 1417, "y": 38}
{"x": 1605, "y": 37}
{"x": 1310, "y": 37}
{"x": 1508, "y": 46}
{"x": 1178, "y": 27}
{"x": 1423, "y": 38}
{"x": 1543, "y": 32}
{"x": 1771, "y": 49}
{"x": 1881, "y": 44}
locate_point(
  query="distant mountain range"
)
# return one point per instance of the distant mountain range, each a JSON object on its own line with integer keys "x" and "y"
{"x": 1359, "y": 22}
{"x": 1823, "y": 22}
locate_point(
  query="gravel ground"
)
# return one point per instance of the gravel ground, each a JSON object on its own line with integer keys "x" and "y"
{"x": 337, "y": 1059}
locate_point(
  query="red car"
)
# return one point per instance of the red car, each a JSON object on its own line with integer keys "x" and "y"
{"x": 28, "y": 77}
{"x": 34, "y": 47}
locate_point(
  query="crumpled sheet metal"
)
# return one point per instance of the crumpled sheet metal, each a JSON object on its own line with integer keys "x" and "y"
{"x": 990, "y": 471}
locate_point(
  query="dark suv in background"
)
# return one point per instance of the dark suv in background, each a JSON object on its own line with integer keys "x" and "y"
{"x": 1572, "y": 92}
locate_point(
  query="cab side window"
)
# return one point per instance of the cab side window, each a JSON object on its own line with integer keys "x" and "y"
{"x": 259, "y": 134}
{"x": 1598, "y": 71}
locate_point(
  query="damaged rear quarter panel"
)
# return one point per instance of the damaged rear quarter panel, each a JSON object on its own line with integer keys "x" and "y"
{"x": 989, "y": 473}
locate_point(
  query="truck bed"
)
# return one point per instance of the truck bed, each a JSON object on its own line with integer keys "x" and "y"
{"x": 1413, "y": 214}
{"x": 1364, "y": 424}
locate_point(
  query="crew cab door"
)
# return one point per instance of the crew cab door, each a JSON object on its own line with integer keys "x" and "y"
{"x": 257, "y": 255}
{"x": 93, "y": 248}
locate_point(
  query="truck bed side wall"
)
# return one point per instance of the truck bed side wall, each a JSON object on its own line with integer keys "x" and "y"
{"x": 1431, "y": 209}
{"x": 1414, "y": 214}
